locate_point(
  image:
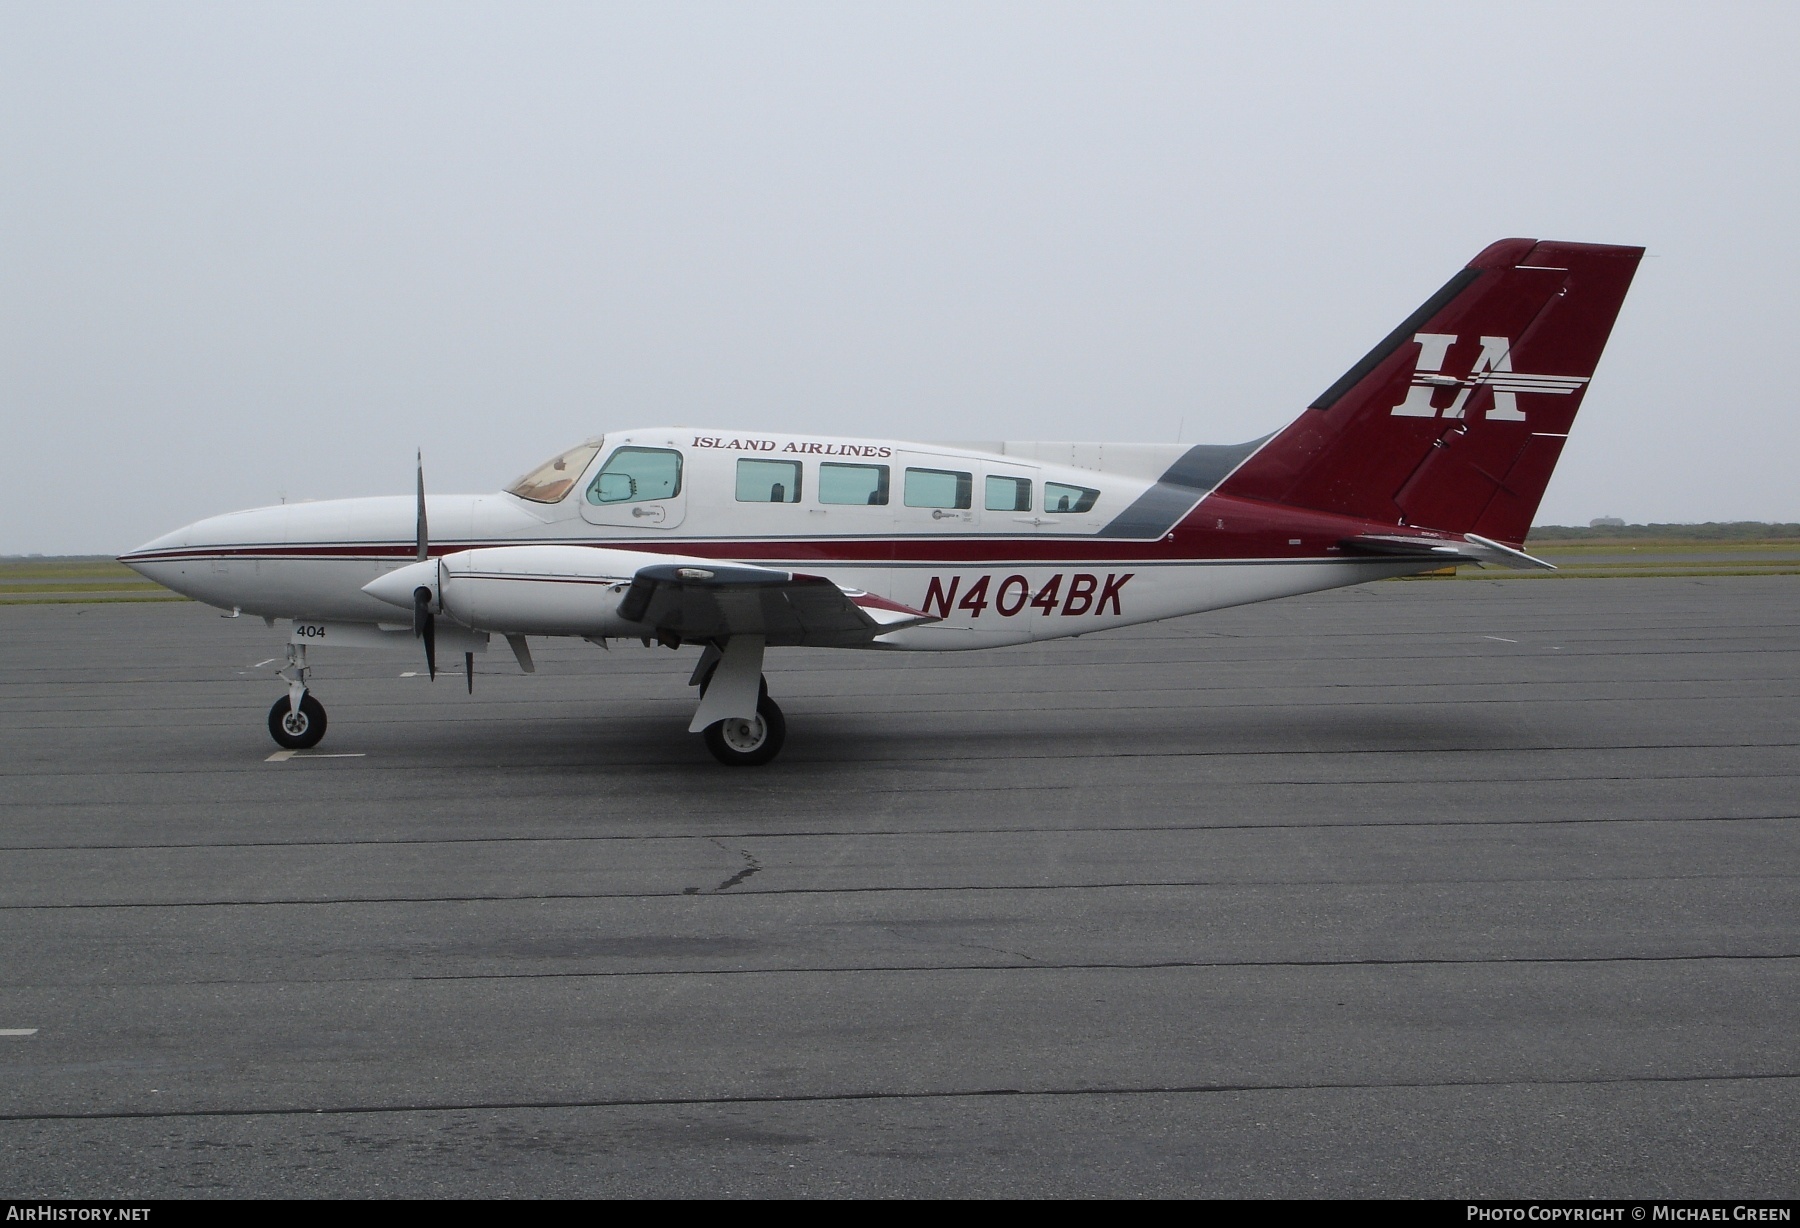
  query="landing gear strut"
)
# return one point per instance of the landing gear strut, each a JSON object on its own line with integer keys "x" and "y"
{"x": 297, "y": 721}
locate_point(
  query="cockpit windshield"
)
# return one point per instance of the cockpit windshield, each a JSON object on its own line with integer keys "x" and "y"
{"x": 551, "y": 480}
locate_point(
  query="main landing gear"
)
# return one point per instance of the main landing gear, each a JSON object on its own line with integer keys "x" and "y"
{"x": 297, "y": 721}
{"x": 734, "y": 736}
{"x": 740, "y": 742}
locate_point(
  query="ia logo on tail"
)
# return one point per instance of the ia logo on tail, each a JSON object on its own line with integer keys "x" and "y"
{"x": 1492, "y": 369}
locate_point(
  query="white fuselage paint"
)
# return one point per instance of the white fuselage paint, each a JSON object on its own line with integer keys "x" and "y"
{"x": 312, "y": 560}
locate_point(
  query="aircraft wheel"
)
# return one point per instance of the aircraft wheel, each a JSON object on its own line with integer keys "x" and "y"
{"x": 737, "y": 742}
{"x": 297, "y": 730}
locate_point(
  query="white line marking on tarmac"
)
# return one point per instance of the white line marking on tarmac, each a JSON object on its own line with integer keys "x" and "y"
{"x": 18, "y": 1031}
{"x": 282, "y": 756}
{"x": 411, "y": 673}
{"x": 260, "y": 664}
{"x": 1501, "y": 638}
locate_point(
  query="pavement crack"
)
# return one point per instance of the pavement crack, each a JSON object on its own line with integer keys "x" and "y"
{"x": 751, "y": 866}
{"x": 849, "y": 1096}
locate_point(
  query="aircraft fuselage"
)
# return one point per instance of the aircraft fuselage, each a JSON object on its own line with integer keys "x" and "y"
{"x": 1142, "y": 548}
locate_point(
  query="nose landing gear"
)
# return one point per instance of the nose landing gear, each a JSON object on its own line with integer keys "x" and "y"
{"x": 297, "y": 728}
{"x": 297, "y": 721}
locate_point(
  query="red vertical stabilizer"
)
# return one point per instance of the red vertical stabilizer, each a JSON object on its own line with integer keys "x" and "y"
{"x": 1454, "y": 422}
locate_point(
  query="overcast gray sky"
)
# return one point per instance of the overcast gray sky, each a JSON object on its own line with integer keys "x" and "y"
{"x": 255, "y": 251}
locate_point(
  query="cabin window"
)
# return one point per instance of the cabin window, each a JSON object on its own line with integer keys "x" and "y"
{"x": 939, "y": 488}
{"x": 551, "y": 480}
{"x": 768, "y": 481}
{"x": 1009, "y": 494}
{"x": 1061, "y": 498}
{"x": 633, "y": 475}
{"x": 859, "y": 484}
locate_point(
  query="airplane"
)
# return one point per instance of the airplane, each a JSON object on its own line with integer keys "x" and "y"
{"x": 1433, "y": 450}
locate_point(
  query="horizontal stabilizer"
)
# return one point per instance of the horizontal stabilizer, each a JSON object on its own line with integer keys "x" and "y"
{"x": 1445, "y": 552}
{"x": 1486, "y": 551}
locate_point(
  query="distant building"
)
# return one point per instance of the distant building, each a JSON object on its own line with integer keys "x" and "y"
{"x": 1606, "y": 522}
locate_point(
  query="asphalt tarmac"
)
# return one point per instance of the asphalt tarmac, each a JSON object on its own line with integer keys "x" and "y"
{"x": 1435, "y": 888}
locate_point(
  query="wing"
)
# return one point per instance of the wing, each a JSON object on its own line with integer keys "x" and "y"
{"x": 705, "y": 602}
{"x": 599, "y": 591}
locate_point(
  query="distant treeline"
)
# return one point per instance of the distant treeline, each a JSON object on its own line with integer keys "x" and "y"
{"x": 1729, "y": 531}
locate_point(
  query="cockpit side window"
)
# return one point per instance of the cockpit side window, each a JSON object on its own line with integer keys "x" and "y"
{"x": 635, "y": 475}
{"x": 551, "y": 480}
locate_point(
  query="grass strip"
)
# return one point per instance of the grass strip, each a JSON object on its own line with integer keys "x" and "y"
{"x": 93, "y": 600}
{"x": 85, "y": 586}
{"x": 1645, "y": 574}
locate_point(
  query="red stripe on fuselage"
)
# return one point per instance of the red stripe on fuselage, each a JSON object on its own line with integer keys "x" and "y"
{"x": 1219, "y": 529}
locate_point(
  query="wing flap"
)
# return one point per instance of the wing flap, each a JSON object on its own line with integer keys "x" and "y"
{"x": 715, "y": 602}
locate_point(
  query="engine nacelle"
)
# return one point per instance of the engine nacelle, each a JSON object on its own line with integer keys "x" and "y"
{"x": 527, "y": 590}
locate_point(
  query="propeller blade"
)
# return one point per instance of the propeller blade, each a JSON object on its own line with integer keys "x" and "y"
{"x": 424, "y": 621}
{"x": 469, "y": 669}
{"x": 425, "y": 626}
{"x": 424, "y": 535}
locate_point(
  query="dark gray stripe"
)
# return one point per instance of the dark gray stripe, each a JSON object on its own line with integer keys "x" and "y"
{"x": 1187, "y": 481}
{"x": 1394, "y": 340}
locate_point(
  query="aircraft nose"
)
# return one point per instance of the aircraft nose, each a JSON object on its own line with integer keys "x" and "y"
{"x": 396, "y": 588}
{"x": 181, "y": 537}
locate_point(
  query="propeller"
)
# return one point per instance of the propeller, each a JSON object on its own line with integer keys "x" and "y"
{"x": 424, "y": 621}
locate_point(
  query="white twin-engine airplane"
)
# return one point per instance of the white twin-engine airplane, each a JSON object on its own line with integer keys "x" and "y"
{"x": 1433, "y": 450}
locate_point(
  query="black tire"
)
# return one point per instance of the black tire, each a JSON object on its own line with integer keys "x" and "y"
{"x": 297, "y": 730}
{"x": 735, "y": 744}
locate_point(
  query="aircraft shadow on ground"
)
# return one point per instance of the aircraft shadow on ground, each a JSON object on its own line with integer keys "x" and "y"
{"x": 870, "y": 740}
